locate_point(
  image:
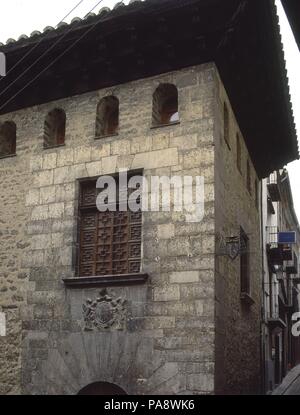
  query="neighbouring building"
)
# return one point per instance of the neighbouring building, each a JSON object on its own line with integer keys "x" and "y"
{"x": 139, "y": 302}
{"x": 281, "y": 248}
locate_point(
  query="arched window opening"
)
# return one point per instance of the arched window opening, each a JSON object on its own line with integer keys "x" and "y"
{"x": 55, "y": 128}
{"x": 102, "y": 388}
{"x": 226, "y": 125}
{"x": 8, "y": 131}
{"x": 165, "y": 105}
{"x": 107, "y": 120}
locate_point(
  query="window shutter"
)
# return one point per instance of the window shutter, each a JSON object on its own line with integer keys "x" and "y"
{"x": 109, "y": 242}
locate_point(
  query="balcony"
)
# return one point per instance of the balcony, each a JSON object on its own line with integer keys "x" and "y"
{"x": 271, "y": 209}
{"x": 296, "y": 278}
{"x": 287, "y": 252}
{"x": 279, "y": 248}
{"x": 276, "y": 321}
{"x": 293, "y": 304}
{"x": 277, "y": 318}
{"x": 273, "y": 187}
{"x": 292, "y": 265}
{"x": 274, "y": 257}
{"x": 274, "y": 251}
{"x": 272, "y": 235}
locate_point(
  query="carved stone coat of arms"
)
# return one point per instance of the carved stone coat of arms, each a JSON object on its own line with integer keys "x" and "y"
{"x": 105, "y": 312}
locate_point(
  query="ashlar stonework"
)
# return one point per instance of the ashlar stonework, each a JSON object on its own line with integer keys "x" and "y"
{"x": 183, "y": 331}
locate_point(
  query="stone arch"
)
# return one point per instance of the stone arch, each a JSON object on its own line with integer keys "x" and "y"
{"x": 165, "y": 105}
{"x": 107, "y": 118}
{"x": 8, "y": 131}
{"x": 55, "y": 128}
{"x": 102, "y": 388}
{"x": 83, "y": 358}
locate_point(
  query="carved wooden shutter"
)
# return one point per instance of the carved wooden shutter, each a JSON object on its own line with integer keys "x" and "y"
{"x": 110, "y": 242}
{"x": 87, "y": 243}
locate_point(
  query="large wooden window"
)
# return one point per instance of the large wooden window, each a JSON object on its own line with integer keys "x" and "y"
{"x": 245, "y": 263}
{"x": 109, "y": 242}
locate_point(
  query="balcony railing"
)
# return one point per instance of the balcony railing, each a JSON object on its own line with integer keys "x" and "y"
{"x": 278, "y": 251}
{"x": 277, "y": 317}
{"x": 292, "y": 265}
{"x": 272, "y": 235}
{"x": 276, "y": 320}
{"x": 273, "y": 249}
{"x": 273, "y": 187}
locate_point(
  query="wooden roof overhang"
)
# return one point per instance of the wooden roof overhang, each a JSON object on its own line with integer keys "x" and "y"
{"x": 156, "y": 36}
{"x": 292, "y": 9}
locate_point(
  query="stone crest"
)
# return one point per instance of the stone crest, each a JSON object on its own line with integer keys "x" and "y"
{"x": 106, "y": 312}
{"x": 230, "y": 246}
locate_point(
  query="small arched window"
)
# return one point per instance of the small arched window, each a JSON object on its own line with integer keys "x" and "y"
{"x": 107, "y": 119}
{"x": 55, "y": 128}
{"x": 165, "y": 105}
{"x": 8, "y": 132}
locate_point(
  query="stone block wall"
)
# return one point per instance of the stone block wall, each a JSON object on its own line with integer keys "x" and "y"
{"x": 237, "y": 324}
{"x": 15, "y": 180}
{"x": 166, "y": 340}
{"x": 184, "y": 330}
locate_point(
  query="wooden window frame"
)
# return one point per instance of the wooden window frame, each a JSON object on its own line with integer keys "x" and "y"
{"x": 245, "y": 280}
{"x": 116, "y": 237}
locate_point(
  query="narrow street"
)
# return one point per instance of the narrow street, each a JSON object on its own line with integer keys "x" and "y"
{"x": 290, "y": 384}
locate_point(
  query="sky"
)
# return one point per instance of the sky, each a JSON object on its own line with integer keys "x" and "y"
{"x": 25, "y": 16}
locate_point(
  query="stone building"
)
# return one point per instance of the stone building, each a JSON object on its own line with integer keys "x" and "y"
{"x": 145, "y": 302}
{"x": 281, "y": 248}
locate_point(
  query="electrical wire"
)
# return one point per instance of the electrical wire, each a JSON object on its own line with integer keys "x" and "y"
{"x": 37, "y": 44}
{"x": 44, "y": 54}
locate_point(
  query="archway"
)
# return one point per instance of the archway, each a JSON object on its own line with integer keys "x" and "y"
{"x": 102, "y": 388}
